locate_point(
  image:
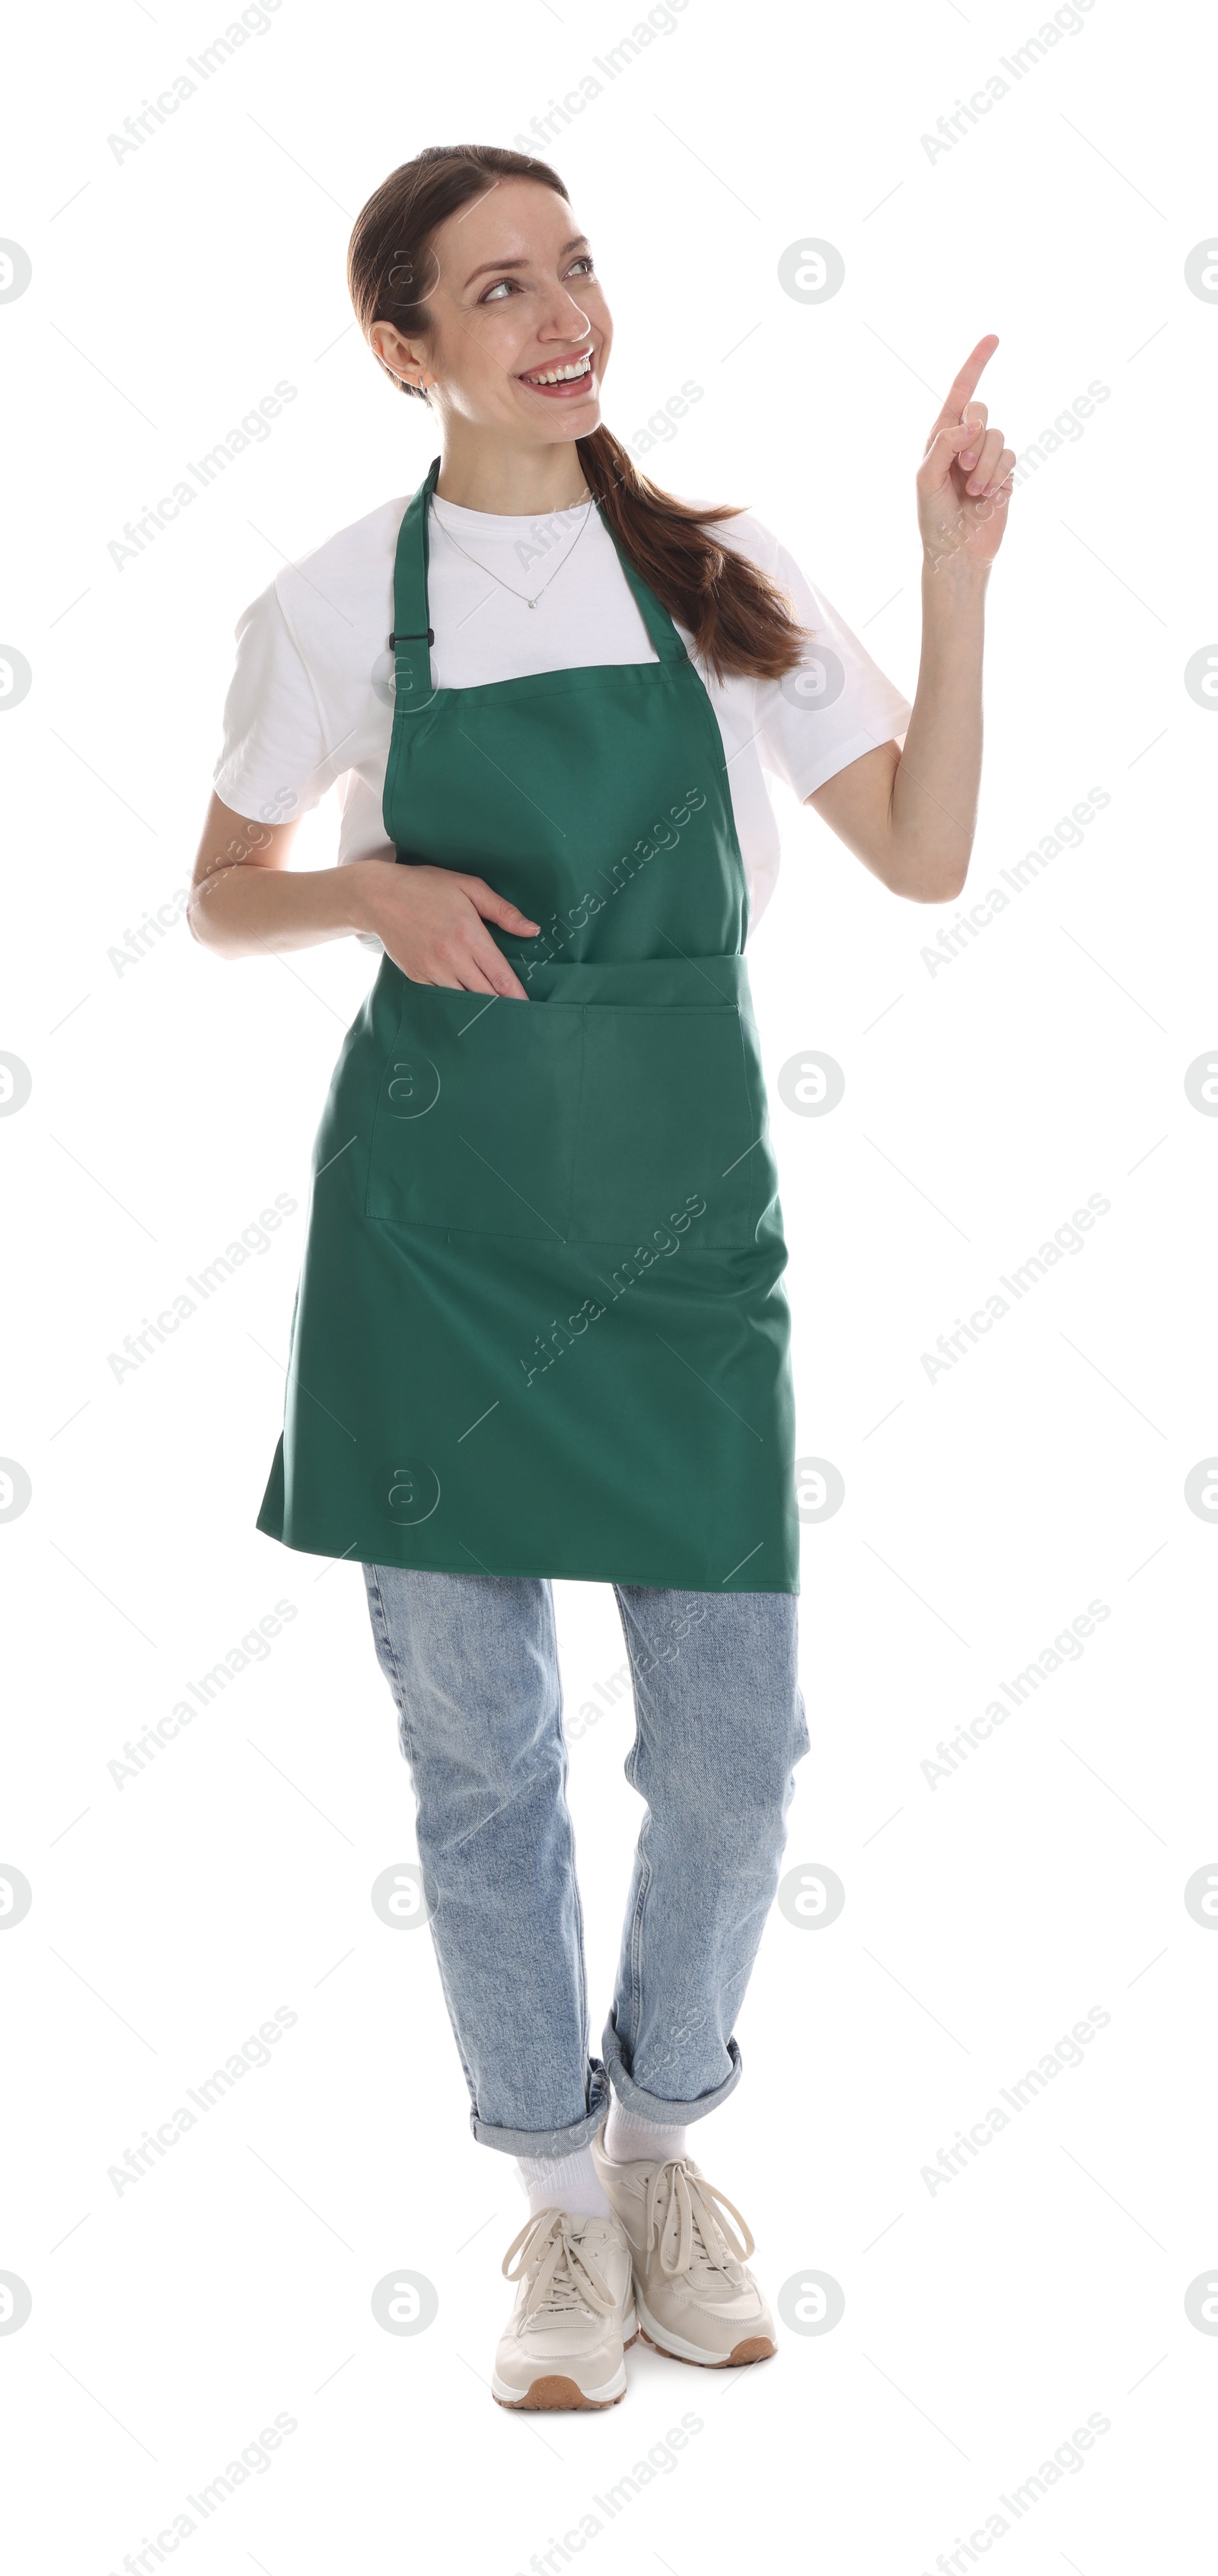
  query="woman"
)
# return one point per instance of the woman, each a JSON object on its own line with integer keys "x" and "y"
{"x": 540, "y": 1327}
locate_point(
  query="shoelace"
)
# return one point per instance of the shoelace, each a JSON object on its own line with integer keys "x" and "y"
{"x": 681, "y": 2219}
{"x": 559, "y": 2274}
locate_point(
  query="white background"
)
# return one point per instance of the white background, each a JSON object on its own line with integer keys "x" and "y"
{"x": 171, "y": 1102}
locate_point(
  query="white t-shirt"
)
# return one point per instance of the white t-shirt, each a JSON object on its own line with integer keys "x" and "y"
{"x": 311, "y": 701}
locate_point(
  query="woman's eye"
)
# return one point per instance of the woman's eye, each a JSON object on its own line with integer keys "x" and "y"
{"x": 505, "y": 286}
{"x": 584, "y": 261}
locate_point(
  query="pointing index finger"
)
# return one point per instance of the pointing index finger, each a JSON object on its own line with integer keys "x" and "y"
{"x": 964, "y": 384}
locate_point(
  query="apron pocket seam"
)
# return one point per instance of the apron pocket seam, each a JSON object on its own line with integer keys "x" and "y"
{"x": 517, "y": 1076}
{"x": 658, "y": 1113}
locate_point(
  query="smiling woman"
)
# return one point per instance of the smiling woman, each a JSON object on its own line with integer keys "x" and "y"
{"x": 479, "y": 330}
{"x": 553, "y": 691}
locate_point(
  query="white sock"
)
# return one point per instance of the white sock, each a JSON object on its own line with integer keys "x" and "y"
{"x": 564, "y": 2182}
{"x": 639, "y": 2142}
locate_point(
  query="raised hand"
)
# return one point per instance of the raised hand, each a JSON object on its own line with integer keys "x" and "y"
{"x": 964, "y": 480}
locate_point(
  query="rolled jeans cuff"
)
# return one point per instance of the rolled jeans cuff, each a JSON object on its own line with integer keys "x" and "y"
{"x": 648, "y": 2106}
{"x": 552, "y": 2142}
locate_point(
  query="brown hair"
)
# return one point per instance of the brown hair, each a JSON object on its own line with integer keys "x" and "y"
{"x": 740, "y": 619}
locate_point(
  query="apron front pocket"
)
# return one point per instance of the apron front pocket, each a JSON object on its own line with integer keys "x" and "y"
{"x": 476, "y": 1119}
{"x": 667, "y": 1121}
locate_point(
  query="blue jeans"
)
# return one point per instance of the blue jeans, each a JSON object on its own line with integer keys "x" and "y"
{"x": 473, "y": 1666}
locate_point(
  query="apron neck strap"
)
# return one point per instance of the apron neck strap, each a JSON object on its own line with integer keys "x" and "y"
{"x": 411, "y": 635}
{"x": 660, "y": 629}
{"x": 411, "y": 624}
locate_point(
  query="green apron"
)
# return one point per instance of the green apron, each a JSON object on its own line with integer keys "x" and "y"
{"x": 540, "y": 1327}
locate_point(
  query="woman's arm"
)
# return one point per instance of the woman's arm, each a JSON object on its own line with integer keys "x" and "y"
{"x": 246, "y": 902}
{"x": 910, "y": 814}
{"x": 242, "y": 901}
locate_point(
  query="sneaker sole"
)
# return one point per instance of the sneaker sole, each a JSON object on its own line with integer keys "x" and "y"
{"x": 754, "y": 2348}
{"x": 750, "y": 2348}
{"x": 558, "y": 2395}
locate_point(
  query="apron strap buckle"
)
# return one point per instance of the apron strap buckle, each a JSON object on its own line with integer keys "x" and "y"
{"x": 395, "y": 640}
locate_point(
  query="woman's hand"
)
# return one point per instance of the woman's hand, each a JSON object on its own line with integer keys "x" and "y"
{"x": 909, "y": 810}
{"x": 964, "y": 480}
{"x": 247, "y": 902}
{"x": 430, "y": 922}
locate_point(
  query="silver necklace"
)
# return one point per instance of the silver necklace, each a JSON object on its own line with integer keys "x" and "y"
{"x": 507, "y": 585}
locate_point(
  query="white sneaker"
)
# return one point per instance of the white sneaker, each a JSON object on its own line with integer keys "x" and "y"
{"x": 574, "y": 2314}
{"x": 694, "y": 2296}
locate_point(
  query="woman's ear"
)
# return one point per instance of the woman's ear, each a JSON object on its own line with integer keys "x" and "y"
{"x": 404, "y": 362}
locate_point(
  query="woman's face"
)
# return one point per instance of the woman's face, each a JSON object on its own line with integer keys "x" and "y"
{"x": 513, "y": 300}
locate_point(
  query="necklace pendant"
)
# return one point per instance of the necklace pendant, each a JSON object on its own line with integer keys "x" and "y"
{"x": 533, "y": 602}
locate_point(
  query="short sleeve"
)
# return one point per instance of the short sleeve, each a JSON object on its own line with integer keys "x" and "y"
{"x": 273, "y": 765}
{"x": 837, "y": 705}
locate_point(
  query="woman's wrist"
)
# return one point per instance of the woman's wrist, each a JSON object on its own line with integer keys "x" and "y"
{"x": 953, "y": 617}
{"x": 362, "y": 888}
{"x": 953, "y": 580}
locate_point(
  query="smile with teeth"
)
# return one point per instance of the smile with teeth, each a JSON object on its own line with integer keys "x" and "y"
{"x": 560, "y": 380}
